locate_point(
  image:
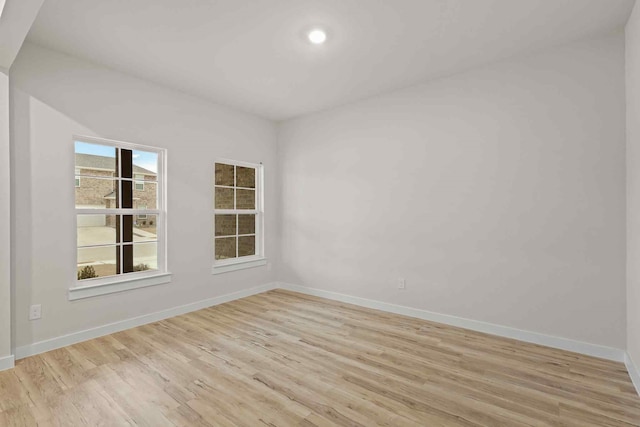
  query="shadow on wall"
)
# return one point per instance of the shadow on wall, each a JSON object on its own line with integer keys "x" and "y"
{"x": 108, "y": 102}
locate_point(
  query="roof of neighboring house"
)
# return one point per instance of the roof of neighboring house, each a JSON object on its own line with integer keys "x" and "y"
{"x": 90, "y": 161}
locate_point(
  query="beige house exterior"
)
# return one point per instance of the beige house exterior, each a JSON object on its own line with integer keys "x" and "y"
{"x": 95, "y": 190}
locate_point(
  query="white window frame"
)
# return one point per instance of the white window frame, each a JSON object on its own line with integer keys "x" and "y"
{"x": 259, "y": 259}
{"x": 106, "y": 285}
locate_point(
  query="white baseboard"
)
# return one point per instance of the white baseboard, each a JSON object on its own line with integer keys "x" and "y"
{"x": 76, "y": 337}
{"x": 6, "y": 362}
{"x": 595, "y": 350}
{"x": 503, "y": 331}
{"x": 633, "y": 370}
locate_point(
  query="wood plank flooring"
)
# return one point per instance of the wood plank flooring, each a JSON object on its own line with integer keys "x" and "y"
{"x": 287, "y": 359}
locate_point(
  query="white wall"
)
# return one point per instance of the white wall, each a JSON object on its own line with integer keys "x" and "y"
{"x": 632, "y": 33}
{"x": 498, "y": 194}
{"x": 55, "y": 96}
{"x": 5, "y": 230}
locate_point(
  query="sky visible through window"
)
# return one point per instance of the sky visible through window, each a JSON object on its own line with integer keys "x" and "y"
{"x": 144, "y": 159}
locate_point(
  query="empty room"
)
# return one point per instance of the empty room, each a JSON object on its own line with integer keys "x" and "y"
{"x": 319, "y": 213}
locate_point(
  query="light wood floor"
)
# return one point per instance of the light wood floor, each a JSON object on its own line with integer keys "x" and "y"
{"x": 286, "y": 359}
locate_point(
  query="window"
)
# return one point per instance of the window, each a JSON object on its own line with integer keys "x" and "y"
{"x": 112, "y": 247}
{"x": 139, "y": 182}
{"x": 238, "y": 216}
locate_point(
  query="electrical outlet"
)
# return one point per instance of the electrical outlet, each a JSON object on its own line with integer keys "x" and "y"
{"x": 402, "y": 284}
{"x": 35, "y": 312}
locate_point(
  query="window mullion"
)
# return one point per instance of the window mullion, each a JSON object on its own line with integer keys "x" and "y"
{"x": 235, "y": 211}
{"x": 119, "y": 190}
{"x": 235, "y": 207}
{"x": 90, "y": 211}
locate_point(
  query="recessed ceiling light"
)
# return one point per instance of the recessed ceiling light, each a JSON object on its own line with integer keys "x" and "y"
{"x": 317, "y": 36}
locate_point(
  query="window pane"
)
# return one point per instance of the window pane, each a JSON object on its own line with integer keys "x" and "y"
{"x": 144, "y": 228}
{"x": 145, "y": 165}
{"x": 224, "y": 174}
{"x": 95, "y": 193}
{"x": 139, "y": 183}
{"x": 225, "y": 225}
{"x": 225, "y": 247}
{"x": 246, "y": 199}
{"x": 246, "y": 177}
{"x": 224, "y": 198}
{"x": 145, "y": 194}
{"x": 96, "y": 229}
{"x": 246, "y": 245}
{"x": 246, "y": 224}
{"x": 96, "y": 262}
{"x": 145, "y": 256}
{"x": 95, "y": 159}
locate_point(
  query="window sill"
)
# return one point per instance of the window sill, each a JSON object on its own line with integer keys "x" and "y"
{"x": 239, "y": 265}
{"x": 118, "y": 285}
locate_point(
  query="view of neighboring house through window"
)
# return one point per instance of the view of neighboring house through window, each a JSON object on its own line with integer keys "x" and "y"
{"x": 140, "y": 181}
{"x": 119, "y": 209}
{"x": 142, "y": 217}
{"x": 237, "y": 212}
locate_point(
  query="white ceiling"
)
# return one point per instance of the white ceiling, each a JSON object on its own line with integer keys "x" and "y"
{"x": 253, "y": 55}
